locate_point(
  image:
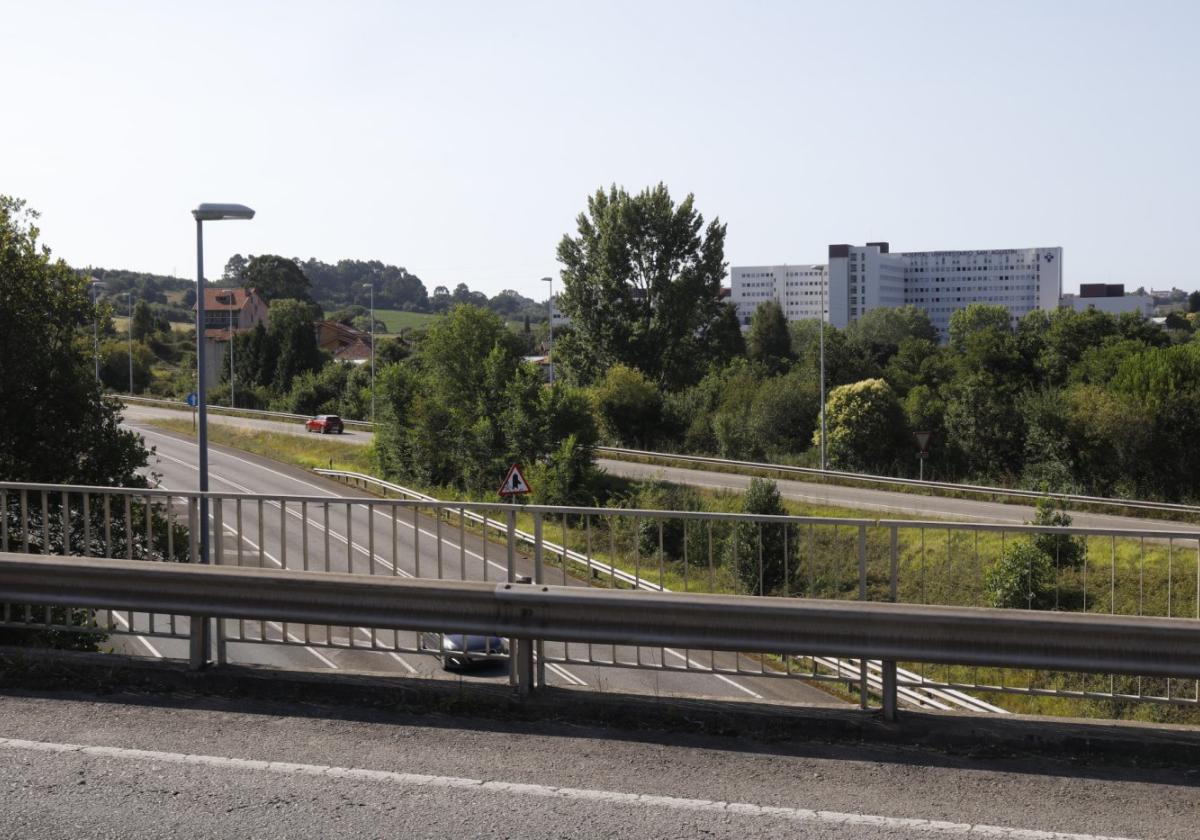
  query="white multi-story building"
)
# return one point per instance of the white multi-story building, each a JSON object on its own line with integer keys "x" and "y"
{"x": 857, "y": 279}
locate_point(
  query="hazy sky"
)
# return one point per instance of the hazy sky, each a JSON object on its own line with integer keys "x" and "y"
{"x": 460, "y": 140}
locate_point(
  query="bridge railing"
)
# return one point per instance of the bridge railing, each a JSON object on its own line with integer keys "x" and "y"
{"x": 1147, "y": 572}
{"x": 968, "y": 637}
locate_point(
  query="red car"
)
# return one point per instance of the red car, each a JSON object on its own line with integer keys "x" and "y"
{"x": 325, "y": 424}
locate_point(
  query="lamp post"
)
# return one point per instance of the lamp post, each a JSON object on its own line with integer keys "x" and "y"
{"x": 371, "y": 286}
{"x": 95, "y": 288}
{"x": 129, "y": 309}
{"x": 822, "y": 342}
{"x": 206, "y": 213}
{"x": 550, "y": 319}
{"x": 232, "y": 396}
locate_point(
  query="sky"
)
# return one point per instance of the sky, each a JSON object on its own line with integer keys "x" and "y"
{"x": 462, "y": 140}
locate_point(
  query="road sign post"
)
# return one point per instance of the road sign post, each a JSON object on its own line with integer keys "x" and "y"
{"x": 923, "y": 440}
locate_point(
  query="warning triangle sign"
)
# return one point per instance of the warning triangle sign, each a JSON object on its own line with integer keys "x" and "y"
{"x": 514, "y": 483}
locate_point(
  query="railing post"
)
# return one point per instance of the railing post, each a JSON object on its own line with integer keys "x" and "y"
{"x": 894, "y": 572}
{"x": 516, "y": 646}
{"x": 521, "y": 674}
{"x": 864, "y": 693}
{"x": 889, "y": 690}
{"x": 539, "y": 645}
{"x": 511, "y": 529}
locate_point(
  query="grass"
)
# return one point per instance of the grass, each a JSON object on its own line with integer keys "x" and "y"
{"x": 397, "y": 319}
{"x": 309, "y": 452}
{"x": 935, "y": 565}
{"x": 121, "y": 324}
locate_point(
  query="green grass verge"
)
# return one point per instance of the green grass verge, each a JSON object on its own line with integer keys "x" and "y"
{"x": 397, "y": 319}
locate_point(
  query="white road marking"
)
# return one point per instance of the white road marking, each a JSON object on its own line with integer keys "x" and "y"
{"x": 669, "y": 803}
{"x": 721, "y": 677}
{"x": 141, "y": 639}
{"x": 567, "y": 675}
{"x": 324, "y": 494}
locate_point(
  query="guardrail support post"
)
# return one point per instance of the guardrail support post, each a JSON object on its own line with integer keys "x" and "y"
{"x": 537, "y": 578}
{"x": 864, "y": 693}
{"x": 521, "y": 671}
{"x": 889, "y": 690}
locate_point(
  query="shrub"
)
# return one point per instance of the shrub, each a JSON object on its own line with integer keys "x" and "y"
{"x": 1022, "y": 578}
{"x": 758, "y": 553}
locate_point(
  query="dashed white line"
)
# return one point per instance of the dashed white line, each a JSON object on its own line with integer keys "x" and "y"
{"x": 637, "y": 800}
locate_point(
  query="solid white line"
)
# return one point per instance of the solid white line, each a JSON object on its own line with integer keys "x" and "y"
{"x": 141, "y": 639}
{"x": 453, "y": 546}
{"x": 693, "y": 663}
{"x": 565, "y": 674}
{"x": 342, "y": 539}
{"x": 669, "y": 803}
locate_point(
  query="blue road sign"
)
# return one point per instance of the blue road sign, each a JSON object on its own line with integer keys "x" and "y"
{"x": 193, "y": 400}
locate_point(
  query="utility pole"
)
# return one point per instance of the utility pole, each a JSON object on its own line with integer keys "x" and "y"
{"x": 550, "y": 319}
{"x": 129, "y": 309}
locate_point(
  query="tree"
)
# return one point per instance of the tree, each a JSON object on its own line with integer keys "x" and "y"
{"x": 769, "y": 341}
{"x": 235, "y": 271}
{"x": 864, "y": 426}
{"x": 276, "y": 277}
{"x": 628, "y": 406}
{"x": 642, "y": 286}
{"x": 1194, "y": 302}
{"x": 142, "y": 322}
{"x": 762, "y": 554}
{"x": 55, "y": 424}
{"x": 292, "y": 333}
{"x": 879, "y": 332}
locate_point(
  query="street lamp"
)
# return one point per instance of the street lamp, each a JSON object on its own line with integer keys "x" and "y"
{"x": 822, "y": 316}
{"x": 550, "y": 317}
{"x": 206, "y": 213}
{"x": 371, "y": 286}
{"x": 129, "y": 329}
{"x": 232, "y": 393}
{"x": 96, "y": 286}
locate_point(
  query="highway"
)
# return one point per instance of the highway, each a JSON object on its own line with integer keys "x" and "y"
{"x": 283, "y": 536}
{"x": 138, "y": 766}
{"x": 888, "y": 503}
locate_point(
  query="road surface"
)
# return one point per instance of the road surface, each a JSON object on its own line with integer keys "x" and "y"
{"x": 161, "y": 767}
{"x": 885, "y": 502}
{"x": 283, "y": 535}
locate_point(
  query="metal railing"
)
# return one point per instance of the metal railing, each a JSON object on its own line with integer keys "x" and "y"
{"x": 1087, "y": 570}
{"x": 224, "y": 409}
{"x": 1163, "y": 648}
{"x": 814, "y": 472}
{"x": 912, "y": 483}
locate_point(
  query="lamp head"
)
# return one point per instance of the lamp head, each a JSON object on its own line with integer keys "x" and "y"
{"x": 215, "y": 212}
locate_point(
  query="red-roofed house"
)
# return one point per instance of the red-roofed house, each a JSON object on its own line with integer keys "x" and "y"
{"x": 228, "y": 311}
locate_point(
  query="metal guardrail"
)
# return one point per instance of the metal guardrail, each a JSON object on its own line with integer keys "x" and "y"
{"x": 224, "y": 409}
{"x": 816, "y": 472}
{"x": 1146, "y": 571}
{"x": 1135, "y": 645}
{"x": 868, "y": 478}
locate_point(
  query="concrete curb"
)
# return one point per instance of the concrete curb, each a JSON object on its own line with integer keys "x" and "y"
{"x": 980, "y": 736}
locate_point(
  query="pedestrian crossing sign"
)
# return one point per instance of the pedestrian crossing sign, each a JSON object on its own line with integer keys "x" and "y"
{"x": 514, "y": 483}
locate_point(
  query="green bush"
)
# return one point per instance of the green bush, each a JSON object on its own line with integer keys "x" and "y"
{"x": 1023, "y": 578}
{"x": 758, "y": 552}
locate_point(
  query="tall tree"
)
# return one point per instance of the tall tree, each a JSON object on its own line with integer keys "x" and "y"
{"x": 276, "y": 277}
{"x": 292, "y": 333}
{"x": 642, "y": 286}
{"x": 769, "y": 341}
{"x": 55, "y": 424}
{"x": 142, "y": 322}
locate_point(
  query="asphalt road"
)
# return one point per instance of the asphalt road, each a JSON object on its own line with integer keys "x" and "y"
{"x": 889, "y": 503}
{"x": 139, "y": 767}
{"x": 342, "y": 537}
